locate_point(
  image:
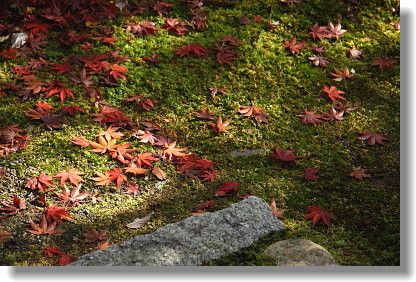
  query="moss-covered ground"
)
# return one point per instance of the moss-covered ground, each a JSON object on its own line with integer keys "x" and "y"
{"x": 366, "y": 228}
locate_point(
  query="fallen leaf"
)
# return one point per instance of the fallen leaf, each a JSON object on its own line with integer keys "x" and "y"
{"x": 317, "y": 214}
{"x": 285, "y": 156}
{"x": 310, "y": 173}
{"x": 95, "y": 235}
{"x": 44, "y": 227}
{"x": 359, "y": 173}
{"x": 227, "y": 188}
{"x": 159, "y": 173}
{"x": 293, "y": 46}
{"x": 276, "y": 211}
{"x": 333, "y": 93}
{"x": 139, "y": 222}
{"x": 372, "y": 138}
{"x": 71, "y": 175}
{"x": 220, "y": 126}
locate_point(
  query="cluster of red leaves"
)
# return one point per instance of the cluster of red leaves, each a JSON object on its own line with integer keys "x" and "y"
{"x": 42, "y": 182}
{"x": 63, "y": 258}
{"x": 328, "y": 31}
{"x": 199, "y": 16}
{"x": 113, "y": 116}
{"x": 43, "y": 112}
{"x": 224, "y": 50}
{"x": 195, "y": 167}
{"x": 313, "y": 118}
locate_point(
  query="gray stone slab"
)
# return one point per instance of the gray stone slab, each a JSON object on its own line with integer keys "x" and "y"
{"x": 299, "y": 252}
{"x": 193, "y": 240}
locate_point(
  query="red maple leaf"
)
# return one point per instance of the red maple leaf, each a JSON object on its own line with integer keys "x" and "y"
{"x": 51, "y": 251}
{"x": 226, "y": 57}
{"x": 73, "y": 110}
{"x": 64, "y": 259}
{"x": 144, "y": 104}
{"x": 318, "y": 61}
{"x": 14, "y": 207}
{"x": 55, "y": 213}
{"x": 44, "y": 227}
{"x": 170, "y": 150}
{"x": 203, "y": 207}
{"x": 36, "y": 28}
{"x": 116, "y": 174}
{"x": 335, "y": 31}
{"x": 175, "y": 26}
{"x": 384, "y": 63}
{"x": 145, "y": 136}
{"x": 57, "y": 88}
{"x": 9, "y": 54}
{"x": 72, "y": 176}
{"x": 255, "y": 112}
{"x": 204, "y": 113}
{"x": 192, "y": 50}
{"x": 344, "y": 74}
{"x": 227, "y": 188}
{"x": 143, "y": 28}
{"x": 319, "y": 32}
{"x": 95, "y": 235}
{"x": 80, "y": 141}
{"x": 102, "y": 179}
{"x": 145, "y": 158}
{"x": 333, "y": 93}
{"x": 154, "y": 58}
{"x": 22, "y": 70}
{"x": 310, "y": 173}
{"x": 285, "y": 156}
{"x": 220, "y": 126}
{"x": 311, "y": 117}
{"x": 118, "y": 71}
{"x": 112, "y": 115}
{"x": 122, "y": 152}
{"x": 82, "y": 79}
{"x": 42, "y": 182}
{"x": 72, "y": 198}
{"x": 354, "y": 53}
{"x": 333, "y": 115}
{"x": 372, "y": 137}
{"x": 316, "y": 214}
{"x": 293, "y": 46}
{"x": 196, "y": 167}
{"x": 62, "y": 68}
{"x": 359, "y": 173}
